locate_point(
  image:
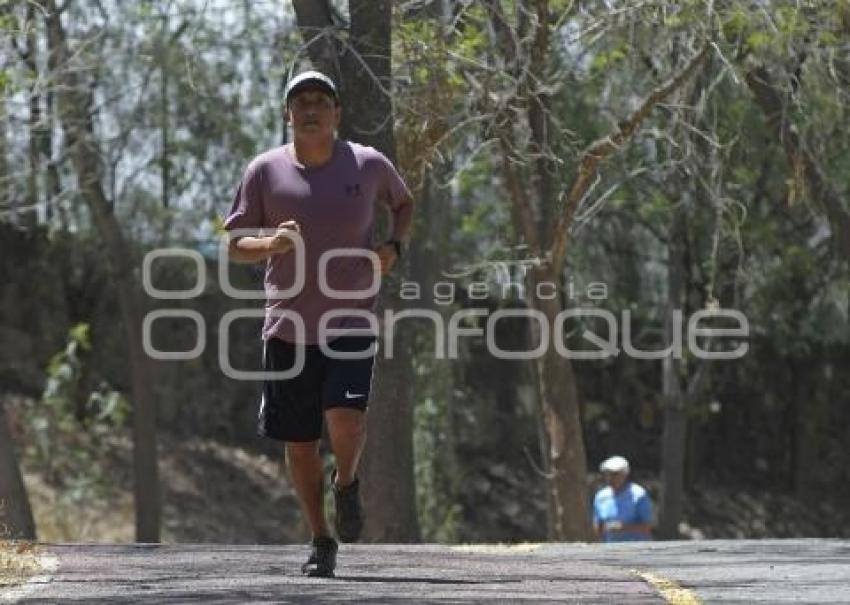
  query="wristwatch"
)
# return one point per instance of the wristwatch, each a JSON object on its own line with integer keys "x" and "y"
{"x": 397, "y": 245}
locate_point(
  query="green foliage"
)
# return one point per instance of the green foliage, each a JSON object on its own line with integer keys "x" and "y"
{"x": 217, "y": 224}
{"x": 798, "y": 310}
{"x": 759, "y": 40}
{"x": 610, "y": 58}
{"x": 5, "y": 82}
{"x": 735, "y": 24}
{"x": 438, "y": 508}
{"x": 656, "y": 209}
{"x": 71, "y": 451}
{"x": 8, "y": 22}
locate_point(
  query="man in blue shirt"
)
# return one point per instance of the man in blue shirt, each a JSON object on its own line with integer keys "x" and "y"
{"x": 622, "y": 511}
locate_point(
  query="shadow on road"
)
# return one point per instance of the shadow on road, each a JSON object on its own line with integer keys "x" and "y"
{"x": 414, "y": 580}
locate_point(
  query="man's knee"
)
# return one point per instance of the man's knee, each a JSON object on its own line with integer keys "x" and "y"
{"x": 345, "y": 422}
{"x": 297, "y": 451}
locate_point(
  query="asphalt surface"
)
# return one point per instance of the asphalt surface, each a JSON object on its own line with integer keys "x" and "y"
{"x": 765, "y": 571}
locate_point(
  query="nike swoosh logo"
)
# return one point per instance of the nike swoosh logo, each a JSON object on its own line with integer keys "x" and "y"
{"x": 349, "y": 395}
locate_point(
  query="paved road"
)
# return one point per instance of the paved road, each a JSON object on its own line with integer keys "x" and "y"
{"x": 769, "y": 571}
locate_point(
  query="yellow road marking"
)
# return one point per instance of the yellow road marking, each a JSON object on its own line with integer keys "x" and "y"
{"x": 669, "y": 590}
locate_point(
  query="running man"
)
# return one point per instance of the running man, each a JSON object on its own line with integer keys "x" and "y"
{"x": 323, "y": 190}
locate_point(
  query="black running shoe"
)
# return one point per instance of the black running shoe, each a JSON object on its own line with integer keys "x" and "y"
{"x": 349, "y": 517}
{"x": 322, "y": 561}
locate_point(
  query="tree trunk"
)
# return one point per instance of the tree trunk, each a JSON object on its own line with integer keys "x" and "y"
{"x": 164, "y": 162}
{"x": 36, "y": 128}
{"x": 74, "y": 100}
{"x": 362, "y": 72}
{"x": 53, "y": 182}
{"x": 811, "y": 408}
{"x": 566, "y": 464}
{"x": 15, "y": 514}
{"x": 673, "y": 444}
{"x": 389, "y": 490}
{"x": 389, "y": 483}
{"x": 363, "y": 75}
{"x": 8, "y": 202}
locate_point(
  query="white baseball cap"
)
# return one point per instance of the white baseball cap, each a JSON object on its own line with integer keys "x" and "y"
{"x": 614, "y": 464}
{"x": 307, "y": 79}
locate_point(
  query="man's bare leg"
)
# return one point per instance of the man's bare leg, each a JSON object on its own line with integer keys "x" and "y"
{"x": 347, "y": 431}
{"x": 306, "y": 475}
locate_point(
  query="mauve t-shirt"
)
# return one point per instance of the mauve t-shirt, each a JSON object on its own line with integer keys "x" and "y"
{"x": 334, "y": 204}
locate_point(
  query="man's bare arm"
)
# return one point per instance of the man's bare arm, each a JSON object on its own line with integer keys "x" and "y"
{"x": 402, "y": 217}
{"x": 248, "y": 249}
{"x": 638, "y": 528}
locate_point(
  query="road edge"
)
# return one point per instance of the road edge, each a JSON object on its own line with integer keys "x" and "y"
{"x": 48, "y": 564}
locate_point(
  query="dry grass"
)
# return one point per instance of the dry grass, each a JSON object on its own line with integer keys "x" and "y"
{"x": 18, "y": 562}
{"x": 207, "y": 489}
{"x": 108, "y": 520}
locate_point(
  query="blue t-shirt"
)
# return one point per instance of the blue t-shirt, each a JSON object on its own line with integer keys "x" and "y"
{"x": 630, "y": 505}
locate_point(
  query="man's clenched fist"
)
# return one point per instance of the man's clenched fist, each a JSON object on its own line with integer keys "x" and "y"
{"x": 281, "y": 240}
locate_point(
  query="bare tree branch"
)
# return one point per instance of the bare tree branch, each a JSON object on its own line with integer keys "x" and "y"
{"x": 521, "y": 203}
{"x": 800, "y": 158}
{"x": 315, "y": 20}
{"x": 604, "y": 147}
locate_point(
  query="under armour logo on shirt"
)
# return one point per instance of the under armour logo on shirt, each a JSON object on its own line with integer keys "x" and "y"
{"x": 352, "y": 190}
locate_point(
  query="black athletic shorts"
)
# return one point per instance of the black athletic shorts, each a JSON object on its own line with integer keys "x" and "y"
{"x": 292, "y": 409}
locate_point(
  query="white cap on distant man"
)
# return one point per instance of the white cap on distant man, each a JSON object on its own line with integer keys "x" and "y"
{"x": 614, "y": 464}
